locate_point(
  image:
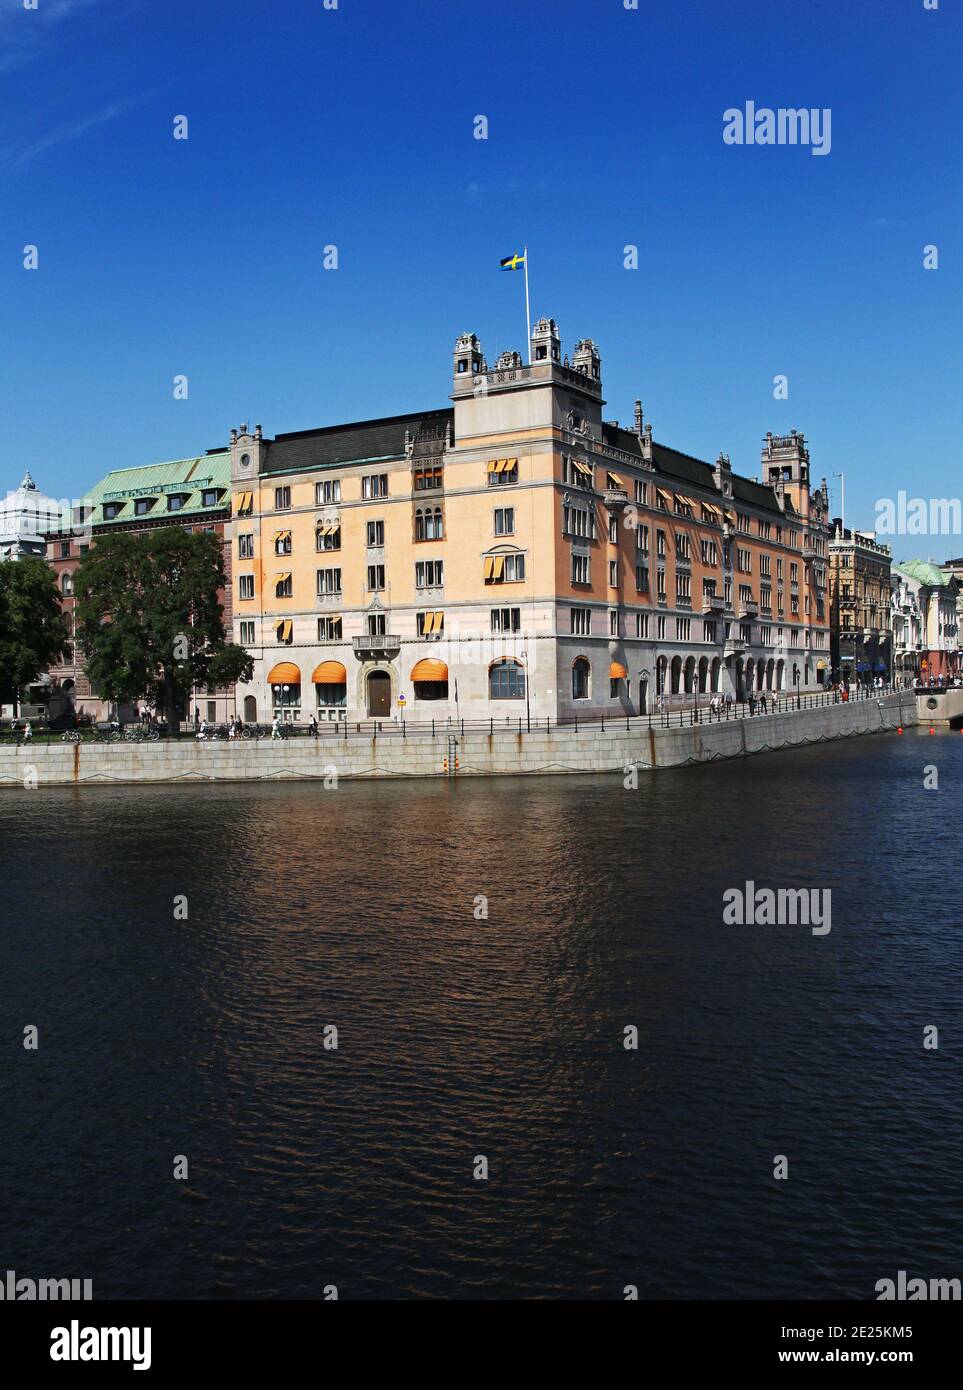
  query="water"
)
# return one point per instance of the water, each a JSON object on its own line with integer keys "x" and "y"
{"x": 502, "y": 1037}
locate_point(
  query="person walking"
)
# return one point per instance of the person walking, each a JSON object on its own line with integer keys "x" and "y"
{"x": 313, "y": 727}
{"x": 27, "y": 732}
{"x": 276, "y": 728}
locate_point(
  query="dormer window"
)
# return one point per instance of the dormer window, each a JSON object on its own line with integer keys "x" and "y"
{"x": 462, "y": 365}
{"x": 111, "y": 509}
{"x": 541, "y": 352}
{"x": 143, "y": 505}
{"x": 176, "y": 501}
{"x": 209, "y": 497}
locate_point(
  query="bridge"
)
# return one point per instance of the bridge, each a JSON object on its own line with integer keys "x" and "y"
{"x": 940, "y": 706}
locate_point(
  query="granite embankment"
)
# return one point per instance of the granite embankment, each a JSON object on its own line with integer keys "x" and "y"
{"x": 478, "y": 754}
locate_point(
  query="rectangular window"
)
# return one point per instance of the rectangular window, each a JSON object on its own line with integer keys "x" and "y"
{"x": 682, "y": 547}
{"x": 209, "y": 497}
{"x": 327, "y": 493}
{"x": 613, "y": 574}
{"x": 376, "y": 533}
{"x": 506, "y": 619}
{"x": 245, "y": 586}
{"x": 683, "y": 628}
{"x": 660, "y": 628}
{"x": 282, "y": 499}
{"x": 660, "y": 544}
{"x": 247, "y": 634}
{"x": 581, "y": 622}
{"x": 376, "y": 578}
{"x": 578, "y": 521}
{"x": 683, "y": 590}
{"x": 502, "y": 471}
{"x": 642, "y": 579}
{"x": 580, "y": 569}
{"x": 282, "y": 543}
{"x": 765, "y": 566}
{"x": 429, "y": 574}
{"x": 374, "y": 485}
{"x": 143, "y": 505}
{"x": 641, "y": 492}
{"x": 328, "y": 537}
{"x": 613, "y": 622}
{"x": 376, "y": 624}
{"x": 662, "y": 592}
{"x": 745, "y": 593}
{"x": 504, "y": 521}
{"x": 642, "y": 539}
{"x": 329, "y": 628}
{"x": 245, "y": 547}
{"x": 710, "y": 553}
{"x": 329, "y": 581}
{"x": 175, "y": 502}
{"x": 745, "y": 631}
{"x": 641, "y": 624}
{"x": 709, "y": 631}
{"x": 282, "y": 586}
{"x": 428, "y": 479}
{"x": 613, "y": 530}
{"x": 765, "y": 635}
{"x": 430, "y": 624}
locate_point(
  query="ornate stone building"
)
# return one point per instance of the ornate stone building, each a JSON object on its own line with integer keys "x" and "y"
{"x": 519, "y": 556}
{"x": 860, "y": 591}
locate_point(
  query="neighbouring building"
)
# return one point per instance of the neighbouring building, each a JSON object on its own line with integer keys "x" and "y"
{"x": 519, "y": 556}
{"x": 861, "y": 597}
{"x": 908, "y": 626}
{"x": 935, "y": 593}
{"x": 193, "y": 493}
{"x": 25, "y": 517}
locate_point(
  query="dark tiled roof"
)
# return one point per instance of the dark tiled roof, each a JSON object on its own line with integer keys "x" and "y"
{"x": 341, "y": 444}
{"x": 695, "y": 471}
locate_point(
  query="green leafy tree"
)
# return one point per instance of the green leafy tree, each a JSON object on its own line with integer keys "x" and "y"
{"x": 149, "y": 619}
{"x": 33, "y": 631}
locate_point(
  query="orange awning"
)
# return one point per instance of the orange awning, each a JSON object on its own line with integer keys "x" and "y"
{"x": 430, "y": 670}
{"x": 284, "y": 673}
{"x": 330, "y": 673}
{"x": 617, "y": 672}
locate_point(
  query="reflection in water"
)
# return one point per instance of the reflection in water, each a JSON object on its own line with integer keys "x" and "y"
{"x": 502, "y": 1035}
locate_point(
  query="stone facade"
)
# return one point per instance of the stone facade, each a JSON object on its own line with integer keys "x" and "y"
{"x": 519, "y": 555}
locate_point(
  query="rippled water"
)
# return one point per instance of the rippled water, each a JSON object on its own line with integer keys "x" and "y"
{"x": 502, "y": 1037}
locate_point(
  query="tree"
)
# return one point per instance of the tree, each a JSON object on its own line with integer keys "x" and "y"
{"x": 33, "y": 631}
{"x": 149, "y": 619}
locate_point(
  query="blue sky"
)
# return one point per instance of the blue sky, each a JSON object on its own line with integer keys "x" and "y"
{"x": 355, "y": 127}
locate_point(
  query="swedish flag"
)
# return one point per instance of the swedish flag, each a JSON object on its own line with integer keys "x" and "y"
{"x": 512, "y": 262}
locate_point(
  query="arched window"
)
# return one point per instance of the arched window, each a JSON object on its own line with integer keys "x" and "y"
{"x": 506, "y": 680}
{"x": 429, "y": 524}
{"x": 67, "y": 582}
{"x": 581, "y": 672}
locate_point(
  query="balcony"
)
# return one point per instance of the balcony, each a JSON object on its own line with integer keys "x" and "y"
{"x": 376, "y": 644}
{"x": 734, "y": 646}
{"x": 616, "y": 498}
{"x": 713, "y": 604}
{"x": 748, "y": 609}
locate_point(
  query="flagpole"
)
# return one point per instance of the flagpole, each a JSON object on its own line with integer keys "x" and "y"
{"x": 528, "y": 316}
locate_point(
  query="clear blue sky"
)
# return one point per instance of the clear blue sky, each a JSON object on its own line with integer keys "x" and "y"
{"x": 354, "y": 127}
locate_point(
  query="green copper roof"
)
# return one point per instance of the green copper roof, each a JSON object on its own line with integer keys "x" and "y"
{"x": 923, "y": 572}
{"x": 188, "y": 478}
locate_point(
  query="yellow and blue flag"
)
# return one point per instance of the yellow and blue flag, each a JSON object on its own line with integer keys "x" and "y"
{"x": 512, "y": 262}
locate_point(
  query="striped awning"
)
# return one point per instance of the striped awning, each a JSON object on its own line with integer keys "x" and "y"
{"x": 617, "y": 671}
{"x": 433, "y": 622}
{"x": 284, "y": 673}
{"x": 429, "y": 669}
{"x": 329, "y": 673}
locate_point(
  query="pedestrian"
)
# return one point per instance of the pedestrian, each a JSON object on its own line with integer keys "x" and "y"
{"x": 232, "y": 730}
{"x": 762, "y": 702}
{"x": 27, "y": 732}
{"x": 197, "y": 717}
{"x": 276, "y": 728}
{"x": 313, "y": 727}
